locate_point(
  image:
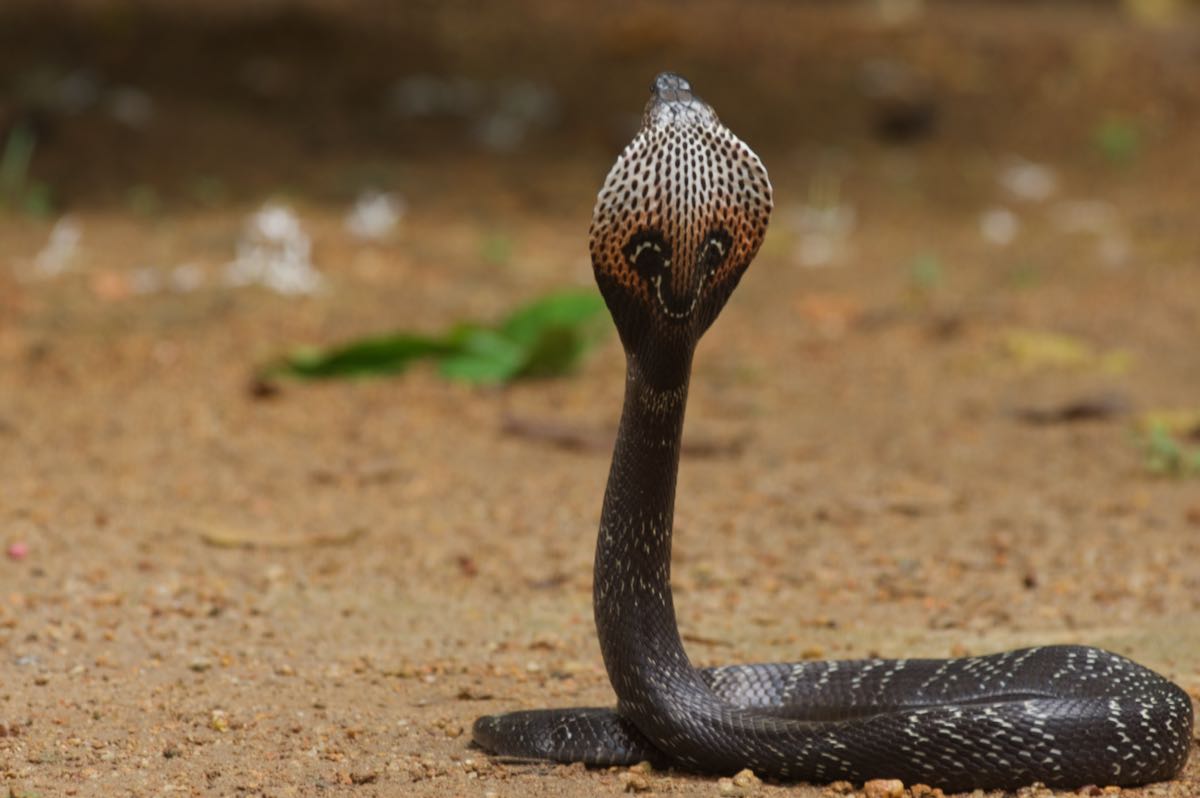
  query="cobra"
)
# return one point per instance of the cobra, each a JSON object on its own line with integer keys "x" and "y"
{"x": 677, "y": 222}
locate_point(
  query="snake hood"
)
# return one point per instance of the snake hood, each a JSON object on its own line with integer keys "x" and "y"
{"x": 679, "y": 218}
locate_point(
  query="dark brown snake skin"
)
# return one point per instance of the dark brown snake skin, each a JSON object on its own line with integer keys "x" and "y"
{"x": 678, "y": 221}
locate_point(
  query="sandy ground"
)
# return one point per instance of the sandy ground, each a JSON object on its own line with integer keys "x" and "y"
{"x": 315, "y": 593}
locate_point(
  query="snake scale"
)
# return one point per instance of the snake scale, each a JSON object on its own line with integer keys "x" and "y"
{"x": 678, "y": 220}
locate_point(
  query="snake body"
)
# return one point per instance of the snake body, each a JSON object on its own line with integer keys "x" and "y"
{"x": 681, "y": 215}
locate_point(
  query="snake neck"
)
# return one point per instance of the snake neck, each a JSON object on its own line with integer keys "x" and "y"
{"x": 635, "y": 613}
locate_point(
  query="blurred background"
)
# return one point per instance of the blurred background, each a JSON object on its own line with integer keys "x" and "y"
{"x": 156, "y": 111}
{"x": 953, "y": 407}
{"x": 1000, "y": 120}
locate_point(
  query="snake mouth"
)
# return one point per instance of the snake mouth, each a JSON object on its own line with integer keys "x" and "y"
{"x": 669, "y": 308}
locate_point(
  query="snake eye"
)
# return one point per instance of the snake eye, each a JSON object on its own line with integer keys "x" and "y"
{"x": 713, "y": 251}
{"x": 648, "y": 253}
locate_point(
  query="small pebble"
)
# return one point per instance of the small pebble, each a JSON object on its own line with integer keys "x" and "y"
{"x": 634, "y": 782}
{"x": 743, "y": 783}
{"x": 746, "y": 781}
{"x": 1035, "y": 790}
{"x": 925, "y": 791}
{"x": 884, "y": 788}
{"x": 18, "y": 550}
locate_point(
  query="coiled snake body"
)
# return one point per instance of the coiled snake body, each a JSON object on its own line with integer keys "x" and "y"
{"x": 680, "y": 217}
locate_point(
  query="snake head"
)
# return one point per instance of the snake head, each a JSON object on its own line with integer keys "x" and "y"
{"x": 679, "y": 218}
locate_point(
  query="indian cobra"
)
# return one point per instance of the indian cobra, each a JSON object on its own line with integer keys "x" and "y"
{"x": 680, "y": 217}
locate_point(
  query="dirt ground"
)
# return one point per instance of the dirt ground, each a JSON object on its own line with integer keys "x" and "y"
{"x": 917, "y": 419}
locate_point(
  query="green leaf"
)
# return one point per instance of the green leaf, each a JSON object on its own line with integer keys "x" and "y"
{"x": 556, "y": 351}
{"x": 389, "y": 354}
{"x": 572, "y": 309}
{"x": 545, "y": 338}
{"x": 557, "y": 331}
{"x": 1119, "y": 140}
{"x": 496, "y": 249}
{"x": 38, "y": 200}
{"x": 925, "y": 272}
{"x": 15, "y": 159}
{"x": 1167, "y": 456}
{"x": 483, "y": 356}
